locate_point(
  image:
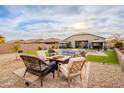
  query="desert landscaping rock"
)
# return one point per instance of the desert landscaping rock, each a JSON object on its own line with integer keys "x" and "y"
{"x": 105, "y": 75}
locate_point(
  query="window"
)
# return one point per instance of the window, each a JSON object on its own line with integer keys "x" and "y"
{"x": 81, "y": 44}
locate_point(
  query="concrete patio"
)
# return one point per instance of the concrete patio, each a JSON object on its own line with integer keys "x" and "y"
{"x": 98, "y": 75}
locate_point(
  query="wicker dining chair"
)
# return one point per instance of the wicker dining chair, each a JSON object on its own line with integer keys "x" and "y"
{"x": 36, "y": 66}
{"x": 72, "y": 69}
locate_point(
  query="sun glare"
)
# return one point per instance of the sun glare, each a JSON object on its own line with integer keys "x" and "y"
{"x": 79, "y": 26}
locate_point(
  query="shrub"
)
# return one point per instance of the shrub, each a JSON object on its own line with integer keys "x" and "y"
{"x": 53, "y": 47}
{"x": 39, "y": 48}
{"x": 15, "y": 47}
{"x": 118, "y": 45}
{"x": 2, "y": 39}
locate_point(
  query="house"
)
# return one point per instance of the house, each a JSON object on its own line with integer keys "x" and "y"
{"x": 84, "y": 40}
{"x": 30, "y": 41}
{"x": 31, "y": 44}
{"x": 52, "y": 41}
{"x": 14, "y": 41}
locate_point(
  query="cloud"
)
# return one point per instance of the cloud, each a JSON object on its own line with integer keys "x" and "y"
{"x": 25, "y": 22}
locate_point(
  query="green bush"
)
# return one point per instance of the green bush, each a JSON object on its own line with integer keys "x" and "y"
{"x": 39, "y": 48}
{"x": 46, "y": 53}
{"x": 118, "y": 45}
{"x": 16, "y": 46}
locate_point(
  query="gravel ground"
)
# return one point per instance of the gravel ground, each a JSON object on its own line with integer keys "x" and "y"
{"x": 8, "y": 64}
{"x": 100, "y": 75}
{"x": 105, "y": 76}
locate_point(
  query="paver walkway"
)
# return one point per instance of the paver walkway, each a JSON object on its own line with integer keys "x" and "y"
{"x": 100, "y": 75}
{"x": 11, "y": 72}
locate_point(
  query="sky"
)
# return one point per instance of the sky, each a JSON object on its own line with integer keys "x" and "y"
{"x": 45, "y": 21}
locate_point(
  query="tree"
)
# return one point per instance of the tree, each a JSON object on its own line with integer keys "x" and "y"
{"x": 2, "y": 39}
{"x": 119, "y": 45}
{"x": 115, "y": 38}
{"x": 15, "y": 47}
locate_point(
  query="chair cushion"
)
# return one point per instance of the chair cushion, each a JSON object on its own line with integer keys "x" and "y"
{"x": 37, "y": 69}
{"x": 53, "y": 63}
{"x": 64, "y": 69}
{"x": 71, "y": 60}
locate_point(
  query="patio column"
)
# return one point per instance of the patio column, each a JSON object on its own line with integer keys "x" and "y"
{"x": 88, "y": 45}
{"x": 73, "y": 44}
{"x": 103, "y": 45}
{"x": 91, "y": 45}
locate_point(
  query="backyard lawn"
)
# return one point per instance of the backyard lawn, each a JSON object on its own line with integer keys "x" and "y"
{"x": 31, "y": 53}
{"x": 111, "y": 58}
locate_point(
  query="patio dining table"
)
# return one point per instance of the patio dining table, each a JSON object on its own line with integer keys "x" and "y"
{"x": 59, "y": 58}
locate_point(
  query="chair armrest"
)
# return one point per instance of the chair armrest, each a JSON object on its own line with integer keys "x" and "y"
{"x": 59, "y": 64}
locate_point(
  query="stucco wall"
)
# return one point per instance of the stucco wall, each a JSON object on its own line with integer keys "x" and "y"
{"x": 90, "y": 38}
{"x": 120, "y": 57}
{"x": 6, "y": 48}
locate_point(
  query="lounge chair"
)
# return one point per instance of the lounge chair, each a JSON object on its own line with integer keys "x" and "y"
{"x": 37, "y": 66}
{"x": 72, "y": 69}
{"x": 83, "y": 54}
